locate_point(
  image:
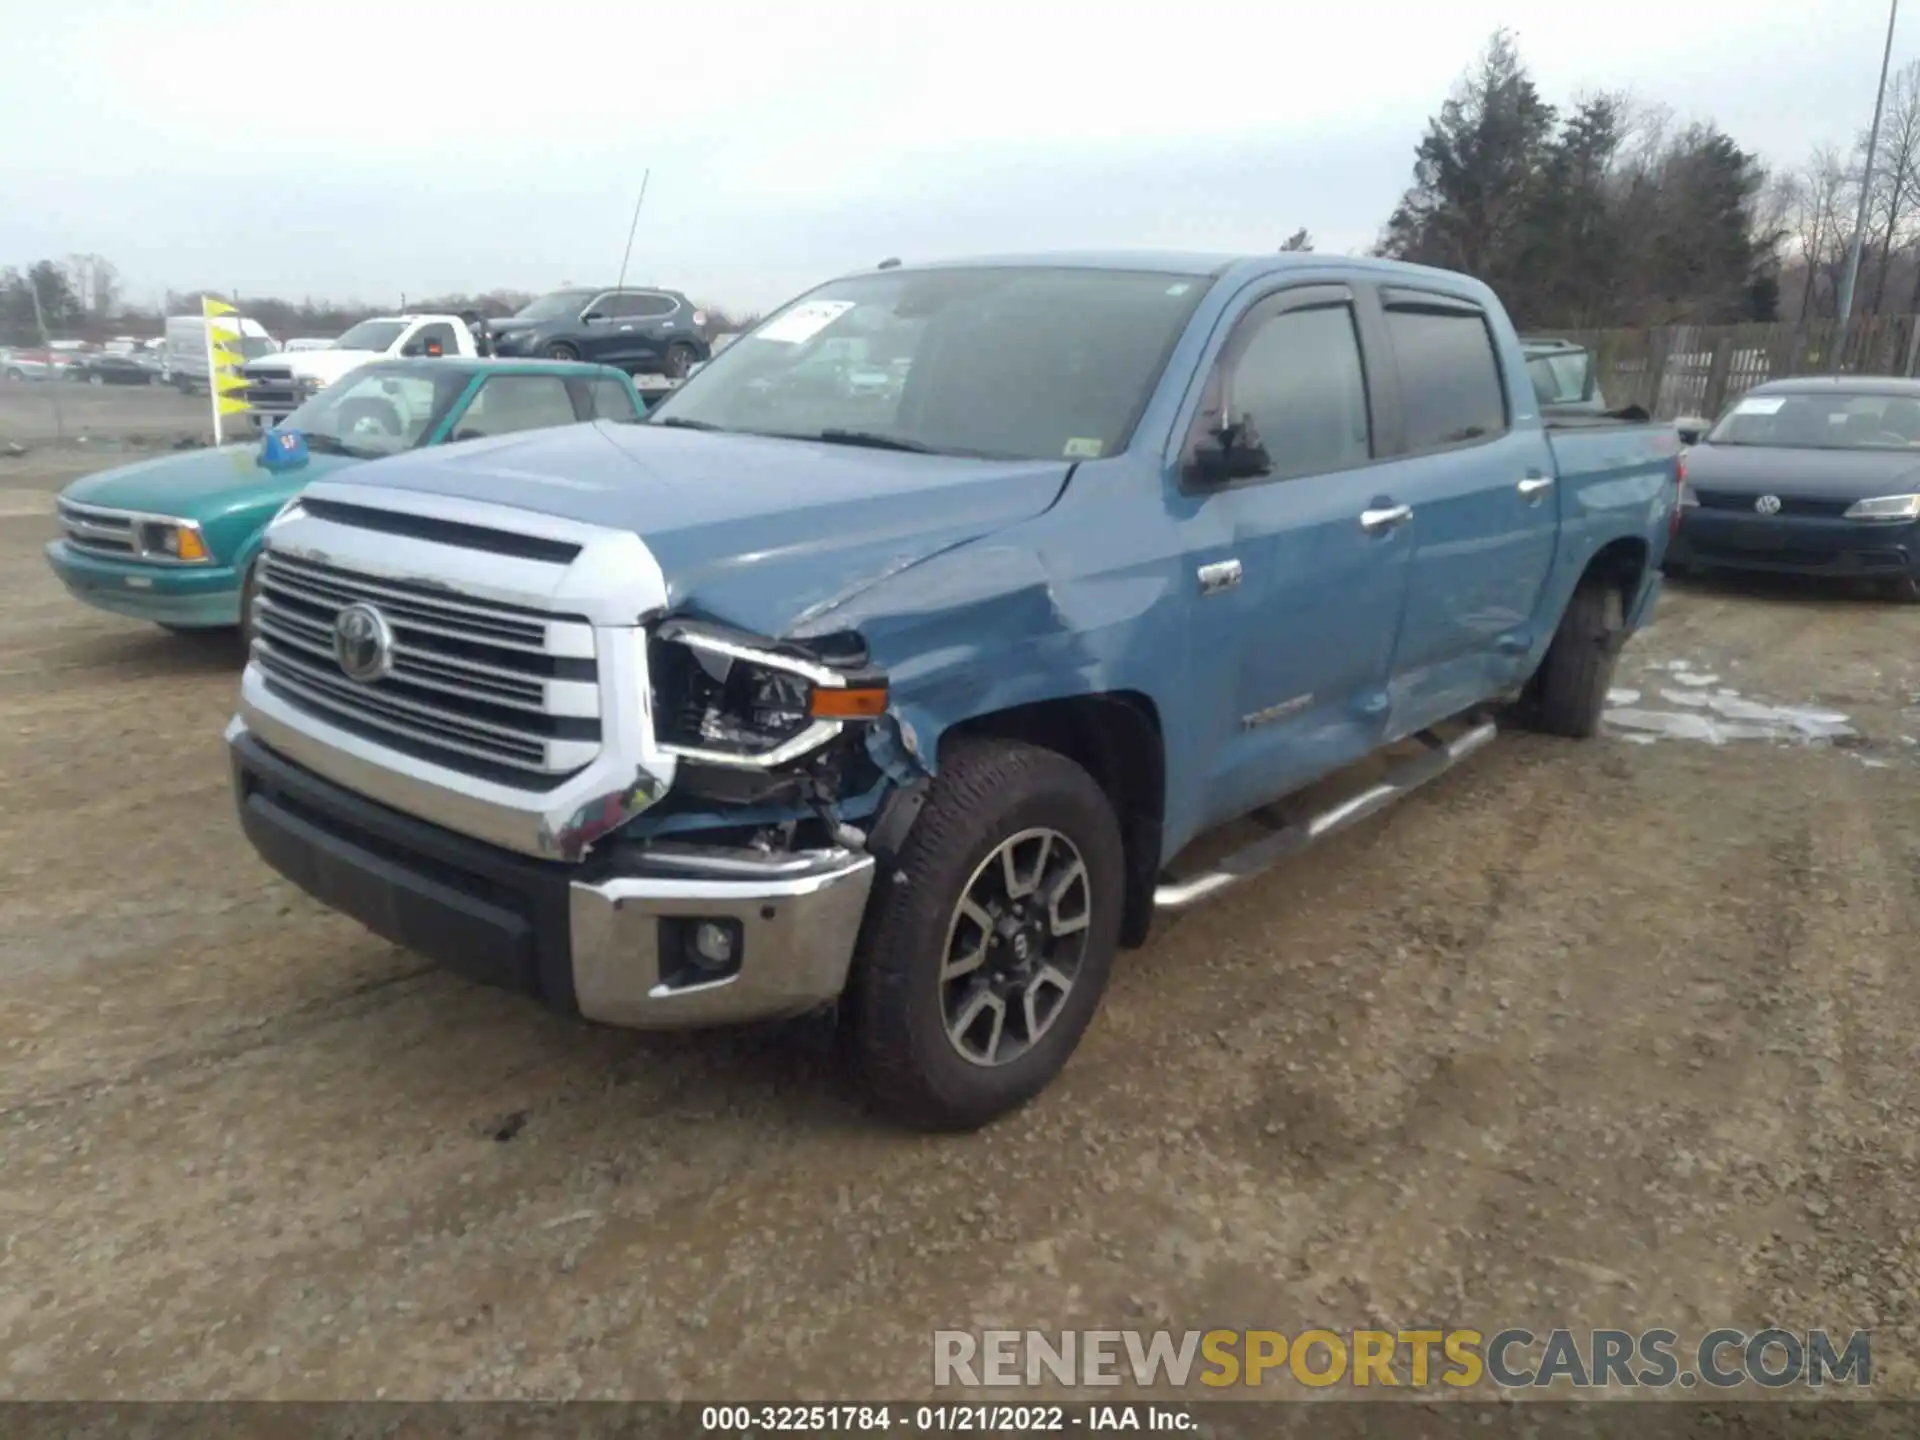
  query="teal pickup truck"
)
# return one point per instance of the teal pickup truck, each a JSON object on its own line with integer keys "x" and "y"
{"x": 173, "y": 539}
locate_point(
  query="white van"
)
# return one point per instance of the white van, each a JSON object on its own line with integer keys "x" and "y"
{"x": 187, "y": 348}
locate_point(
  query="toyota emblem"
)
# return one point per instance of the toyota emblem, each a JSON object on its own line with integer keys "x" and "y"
{"x": 363, "y": 643}
{"x": 1768, "y": 504}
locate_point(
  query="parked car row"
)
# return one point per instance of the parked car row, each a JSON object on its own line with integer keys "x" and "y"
{"x": 1812, "y": 476}
{"x": 176, "y": 540}
{"x": 27, "y": 364}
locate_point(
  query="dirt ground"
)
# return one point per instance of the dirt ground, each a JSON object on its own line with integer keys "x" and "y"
{"x": 1604, "y": 1034}
{"x": 42, "y": 413}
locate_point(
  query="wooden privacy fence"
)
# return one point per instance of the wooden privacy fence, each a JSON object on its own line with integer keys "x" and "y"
{"x": 1700, "y": 369}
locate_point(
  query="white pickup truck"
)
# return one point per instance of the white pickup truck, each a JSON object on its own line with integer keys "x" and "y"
{"x": 279, "y": 384}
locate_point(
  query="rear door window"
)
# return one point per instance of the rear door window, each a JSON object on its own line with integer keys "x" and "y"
{"x": 1450, "y": 387}
{"x": 648, "y": 306}
{"x": 611, "y": 401}
{"x": 435, "y": 339}
{"x": 507, "y": 403}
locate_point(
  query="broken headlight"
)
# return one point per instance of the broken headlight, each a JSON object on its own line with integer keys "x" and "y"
{"x": 720, "y": 698}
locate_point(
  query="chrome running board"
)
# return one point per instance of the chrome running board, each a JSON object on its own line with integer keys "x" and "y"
{"x": 1400, "y": 781}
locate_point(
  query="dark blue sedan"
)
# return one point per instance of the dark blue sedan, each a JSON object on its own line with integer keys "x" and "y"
{"x": 1814, "y": 476}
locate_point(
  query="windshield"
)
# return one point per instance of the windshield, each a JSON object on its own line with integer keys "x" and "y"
{"x": 371, "y": 335}
{"x": 377, "y": 410}
{"x": 1007, "y": 362}
{"x": 1833, "y": 420}
{"x": 561, "y": 305}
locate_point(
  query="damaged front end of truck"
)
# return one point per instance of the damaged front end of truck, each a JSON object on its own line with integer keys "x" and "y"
{"x": 502, "y": 742}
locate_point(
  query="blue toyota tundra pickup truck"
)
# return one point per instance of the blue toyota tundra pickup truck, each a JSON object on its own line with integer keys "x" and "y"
{"x": 906, "y": 700}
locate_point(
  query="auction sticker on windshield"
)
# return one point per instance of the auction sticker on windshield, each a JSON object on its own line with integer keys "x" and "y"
{"x": 803, "y": 322}
{"x": 1760, "y": 405}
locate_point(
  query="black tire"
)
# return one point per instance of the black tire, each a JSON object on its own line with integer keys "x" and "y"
{"x": 680, "y": 360}
{"x": 893, "y": 1025}
{"x": 1904, "y": 591}
{"x": 1570, "y": 691}
{"x": 16, "y": 374}
{"x": 94, "y": 377}
{"x": 562, "y": 351}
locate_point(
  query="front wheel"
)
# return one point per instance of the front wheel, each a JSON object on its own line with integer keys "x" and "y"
{"x": 987, "y": 949}
{"x": 679, "y": 361}
{"x": 96, "y": 378}
{"x": 562, "y": 352}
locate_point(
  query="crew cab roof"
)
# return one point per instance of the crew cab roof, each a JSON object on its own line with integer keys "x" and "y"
{"x": 1215, "y": 266}
{"x": 479, "y": 364}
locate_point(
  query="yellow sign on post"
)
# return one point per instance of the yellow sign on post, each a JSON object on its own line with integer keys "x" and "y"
{"x": 224, "y": 359}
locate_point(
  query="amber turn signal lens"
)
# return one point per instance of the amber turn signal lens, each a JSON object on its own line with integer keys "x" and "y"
{"x": 192, "y": 547}
{"x": 866, "y": 702}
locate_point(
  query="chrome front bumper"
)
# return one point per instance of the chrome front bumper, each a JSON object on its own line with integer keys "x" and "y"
{"x": 605, "y": 944}
{"x": 798, "y": 918}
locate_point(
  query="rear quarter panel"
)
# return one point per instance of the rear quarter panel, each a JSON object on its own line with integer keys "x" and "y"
{"x": 1617, "y": 483}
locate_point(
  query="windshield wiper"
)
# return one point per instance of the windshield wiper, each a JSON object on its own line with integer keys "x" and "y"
{"x": 871, "y": 439}
{"x": 680, "y": 424}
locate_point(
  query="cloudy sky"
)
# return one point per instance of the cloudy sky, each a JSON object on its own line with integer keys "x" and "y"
{"x": 366, "y": 149}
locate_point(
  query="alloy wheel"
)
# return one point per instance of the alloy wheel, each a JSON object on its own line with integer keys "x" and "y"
{"x": 1014, "y": 946}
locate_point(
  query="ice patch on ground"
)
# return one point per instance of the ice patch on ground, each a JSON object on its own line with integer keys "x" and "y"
{"x": 1719, "y": 717}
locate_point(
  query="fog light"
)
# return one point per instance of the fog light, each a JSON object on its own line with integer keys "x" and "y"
{"x": 699, "y": 950}
{"x": 713, "y": 945}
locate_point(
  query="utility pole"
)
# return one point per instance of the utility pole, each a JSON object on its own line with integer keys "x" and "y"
{"x": 627, "y": 254}
{"x": 1866, "y": 193}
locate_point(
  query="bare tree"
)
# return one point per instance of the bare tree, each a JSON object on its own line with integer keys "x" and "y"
{"x": 1300, "y": 240}
{"x": 1894, "y": 204}
{"x": 1819, "y": 213}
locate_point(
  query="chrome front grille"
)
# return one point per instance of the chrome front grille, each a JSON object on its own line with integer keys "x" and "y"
{"x": 101, "y": 532}
{"x": 1789, "y": 504}
{"x": 495, "y": 690}
{"x": 271, "y": 391}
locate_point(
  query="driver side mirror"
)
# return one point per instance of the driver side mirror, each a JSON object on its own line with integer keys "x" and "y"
{"x": 1230, "y": 452}
{"x": 1691, "y": 428}
{"x": 587, "y": 317}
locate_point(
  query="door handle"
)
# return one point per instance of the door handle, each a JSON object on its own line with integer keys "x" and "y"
{"x": 1390, "y": 517}
{"x": 1534, "y": 486}
{"x": 1220, "y": 575}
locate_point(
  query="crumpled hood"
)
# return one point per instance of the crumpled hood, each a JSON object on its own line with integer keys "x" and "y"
{"x": 1802, "y": 473}
{"x": 198, "y": 484}
{"x": 758, "y": 532}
